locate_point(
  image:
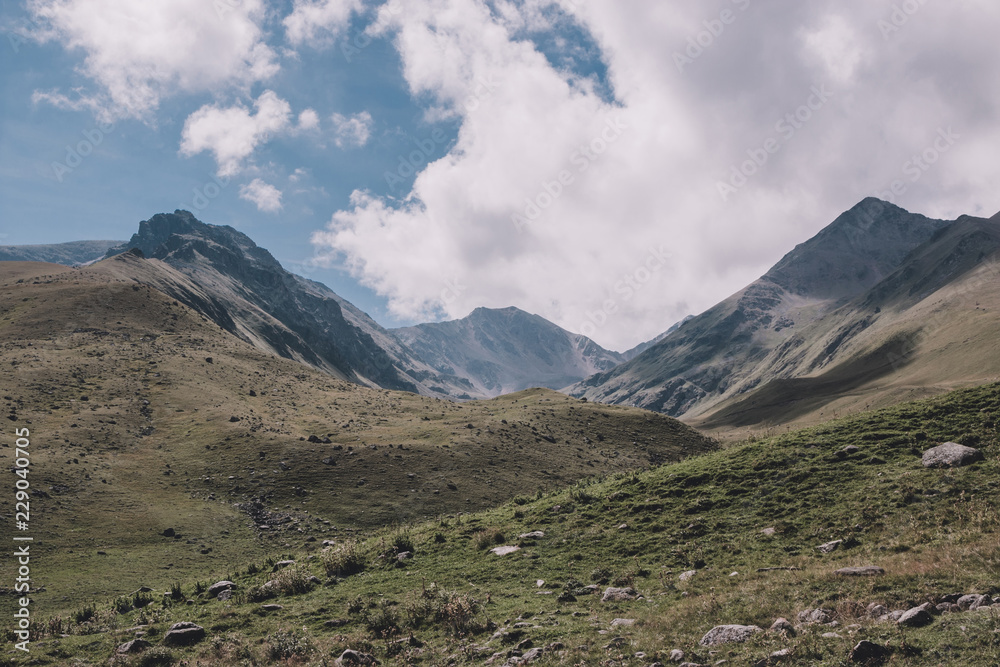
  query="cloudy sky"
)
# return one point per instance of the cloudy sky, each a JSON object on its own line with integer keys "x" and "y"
{"x": 612, "y": 165}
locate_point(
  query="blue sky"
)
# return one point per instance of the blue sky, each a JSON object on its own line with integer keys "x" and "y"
{"x": 612, "y": 165}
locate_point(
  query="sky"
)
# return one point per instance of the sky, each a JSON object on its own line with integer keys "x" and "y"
{"x": 611, "y": 165}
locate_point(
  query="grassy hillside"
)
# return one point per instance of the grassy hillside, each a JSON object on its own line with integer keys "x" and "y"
{"x": 145, "y": 417}
{"x": 728, "y": 516}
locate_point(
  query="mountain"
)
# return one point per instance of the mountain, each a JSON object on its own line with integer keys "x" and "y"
{"x": 507, "y": 350}
{"x": 721, "y": 351}
{"x": 73, "y": 253}
{"x": 642, "y": 347}
{"x": 145, "y": 415}
{"x": 243, "y": 289}
{"x": 930, "y": 326}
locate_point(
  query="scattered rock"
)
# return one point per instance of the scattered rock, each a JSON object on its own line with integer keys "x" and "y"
{"x": 169, "y": 532}
{"x": 687, "y": 576}
{"x": 783, "y": 625}
{"x": 951, "y": 455}
{"x": 973, "y": 602}
{"x": 533, "y": 535}
{"x": 622, "y": 622}
{"x": 350, "y": 657}
{"x": 876, "y": 610}
{"x": 868, "y": 653}
{"x": 729, "y": 634}
{"x": 184, "y": 633}
{"x": 134, "y": 646}
{"x": 676, "y": 655}
{"x": 404, "y": 556}
{"x": 618, "y": 594}
{"x": 503, "y": 551}
{"x": 272, "y": 607}
{"x": 812, "y": 616}
{"x": 770, "y": 530}
{"x": 775, "y": 658}
{"x": 219, "y": 586}
{"x": 830, "y": 547}
{"x": 529, "y": 656}
{"x": 224, "y": 595}
{"x": 866, "y": 571}
{"x": 831, "y": 635}
{"x": 282, "y": 564}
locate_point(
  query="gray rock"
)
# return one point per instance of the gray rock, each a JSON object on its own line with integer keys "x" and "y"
{"x": 184, "y": 633}
{"x": 676, "y": 655}
{"x": 618, "y": 594}
{"x": 831, "y": 635}
{"x": 224, "y": 595}
{"x": 271, "y": 607}
{"x": 350, "y": 657}
{"x": 811, "y": 616}
{"x": 622, "y": 622}
{"x": 529, "y": 656}
{"x": 972, "y": 602}
{"x": 893, "y": 616}
{"x": 951, "y": 455}
{"x": 876, "y": 610}
{"x": 504, "y": 550}
{"x": 866, "y": 571}
{"x": 404, "y": 556}
{"x": 868, "y": 653}
{"x": 282, "y": 564}
{"x": 134, "y": 646}
{"x": 729, "y": 634}
{"x": 783, "y": 625}
{"x": 687, "y": 576}
{"x": 533, "y": 535}
{"x": 830, "y": 547}
{"x": 917, "y": 617}
{"x": 947, "y": 608}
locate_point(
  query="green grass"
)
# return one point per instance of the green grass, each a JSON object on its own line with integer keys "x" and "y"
{"x": 935, "y": 532}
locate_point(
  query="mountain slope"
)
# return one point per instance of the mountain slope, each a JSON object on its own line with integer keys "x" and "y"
{"x": 145, "y": 415}
{"x": 68, "y": 254}
{"x": 717, "y": 350}
{"x": 501, "y": 351}
{"x": 730, "y": 537}
{"x": 930, "y": 326}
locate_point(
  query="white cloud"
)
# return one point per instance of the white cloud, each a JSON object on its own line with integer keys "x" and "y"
{"x": 317, "y": 22}
{"x": 352, "y": 131}
{"x": 139, "y": 52}
{"x": 264, "y": 195}
{"x": 232, "y": 134}
{"x": 308, "y": 120}
{"x": 298, "y": 174}
{"x": 450, "y": 245}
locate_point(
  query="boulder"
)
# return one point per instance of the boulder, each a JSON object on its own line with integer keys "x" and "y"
{"x": 783, "y": 625}
{"x": 676, "y": 655}
{"x": 729, "y": 634}
{"x": 973, "y": 602}
{"x": 830, "y": 547}
{"x": 618, "y": 594}
{"x": 219, "y": 586}
{"x": 876, "y": 610}
{"x": 184, "y": 633}
{"x": 951, "y": 455}
{"x": 687, "y": 576}
{"x": 868, "y": 653}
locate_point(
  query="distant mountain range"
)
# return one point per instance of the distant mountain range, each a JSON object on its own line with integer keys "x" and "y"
{"x": 865, "y": 313}
{"x": 73, "y": 253}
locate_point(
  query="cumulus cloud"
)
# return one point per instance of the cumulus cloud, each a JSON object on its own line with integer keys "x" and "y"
{"x": 232, "y": 134}
{"x": 264, "y": 195}
{"x": 318, "y": 22}
{"x": 616, "y": 215}
{"x": 352, "y": 131}
{"x": 139, "y": 52}
{"x": 308, "y": 120}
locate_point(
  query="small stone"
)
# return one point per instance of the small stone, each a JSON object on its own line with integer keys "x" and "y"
{"x": 866, "y": 571}
{"x": 350, "y": 657}
{"x": 281, "y": 564}
{"x": 618, "y": 594}
{"x": 533, "y": 535}
{"x": 134, "y": 646}
{"x": 783, "y": 625}
{"x": 219, "y": 586}
{"x": 505, "y": 550}
{"x": 271, "y": 607}
{"x": 812, "y": 616}
{"x": 830, "y": 547}
{"x": 973, "y": 602}
{"x": 831, "y": 635}
{"x": 915, "y": 618}
{"x": 622, "y": 622}
{"x": 876, "y": 610}
{"x": 769, "y": 531}
{"x": 729, "y": 634}
{"x": 676, "y": 655}
{"x": 687, "y": 576}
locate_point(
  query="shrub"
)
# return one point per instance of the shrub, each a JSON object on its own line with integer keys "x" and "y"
{"x": 343, "y": 560}
{"x": 485, "y": 539}
{"x": 284, "y": 645}
{"x": 382, "y": 621}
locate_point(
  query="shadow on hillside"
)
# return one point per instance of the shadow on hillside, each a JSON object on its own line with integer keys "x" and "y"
{"x": 782, "y": 401}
